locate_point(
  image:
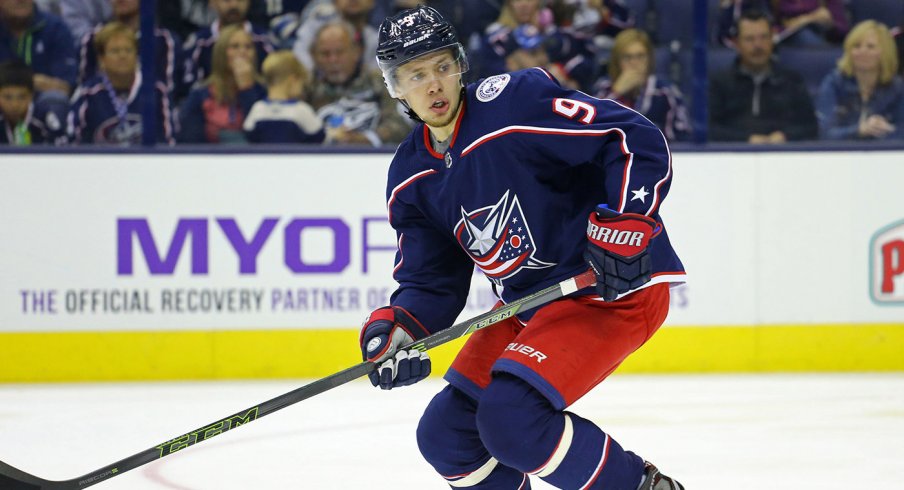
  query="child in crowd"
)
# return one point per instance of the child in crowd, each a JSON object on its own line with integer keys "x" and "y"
{"x": 19, "y": 124}
{"x": 283, "y": 117}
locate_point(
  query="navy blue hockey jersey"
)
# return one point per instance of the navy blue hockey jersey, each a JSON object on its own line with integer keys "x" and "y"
{"x": 38, "y": 128}
{"x": 99, "y": 117}
{"x": 528, "y": 162}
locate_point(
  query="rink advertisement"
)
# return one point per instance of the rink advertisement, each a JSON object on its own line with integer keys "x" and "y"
{"x": 198, "y": 246}
{"x": 887, "y": 265}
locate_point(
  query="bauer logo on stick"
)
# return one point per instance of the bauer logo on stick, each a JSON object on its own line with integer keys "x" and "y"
{"x": 887, "y": 265}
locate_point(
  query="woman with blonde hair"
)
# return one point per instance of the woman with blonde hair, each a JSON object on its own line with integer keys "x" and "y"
{"x": 633, "y": 83}
{"x": 215, "y": 110}
{"x": 864, "y": 97}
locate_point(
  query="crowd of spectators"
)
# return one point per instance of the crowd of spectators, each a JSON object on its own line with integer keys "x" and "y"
{"x": 303, "y": 71}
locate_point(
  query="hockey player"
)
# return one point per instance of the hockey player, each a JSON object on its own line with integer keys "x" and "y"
{"x": 531, "y": 182}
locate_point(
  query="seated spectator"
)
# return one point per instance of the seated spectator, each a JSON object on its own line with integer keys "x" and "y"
{"x": 199, "y": 45}
{"x": 489, "y": 58}
{"x": 168, "y": 49}
{"x": 598, "y": 19}
{"x": 864, "y": 98}
{"x": 730, "y": 12}
{"x": 811, "y": 22}
{"x": 107, "y": 109}
{"x": 283, "y": 117}
{"x": 355, "y": 12}
{"x": 633, "y": 83}
{"x": 42, "y": 41}
{"x": 21, "y": 125}
{"x": 348, "y": 96}
{"x": 559, "y": 53}
{"x": 470, "y": 17}
{"x": 84, "y": 16}
{"x": 757, "y": 100}
{"x": 215, "y": 111}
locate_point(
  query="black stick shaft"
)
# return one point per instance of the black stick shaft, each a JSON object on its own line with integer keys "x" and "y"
{"x": 14, "y": 479}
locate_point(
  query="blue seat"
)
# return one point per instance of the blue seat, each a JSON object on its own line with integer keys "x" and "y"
{"x": 813, "y": 64}
{"x": 889, "y": 12}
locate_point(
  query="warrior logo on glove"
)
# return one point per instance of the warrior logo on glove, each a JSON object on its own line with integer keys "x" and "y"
{"x": 617, "y": 250}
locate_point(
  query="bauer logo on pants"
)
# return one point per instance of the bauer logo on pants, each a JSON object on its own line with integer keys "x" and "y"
{"x": 887, "y": 265}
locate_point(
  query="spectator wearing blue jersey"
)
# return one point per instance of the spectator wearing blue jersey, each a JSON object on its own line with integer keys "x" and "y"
{"x": 283, "y": 117}
{"x": 633, "y": 83}
{"x": 42, "y": 41}
{"x": 20, "y": 124}
{"x": 215, "y": 111}
{"x": 107, "y": 109}
{"x": 864, "y": 97}
{"x": 199, "y": 45}
{"x": 515, "y": 16}
{"x": 170, "y": 62}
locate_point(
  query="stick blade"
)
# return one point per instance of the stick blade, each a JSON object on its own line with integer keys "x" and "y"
{"x": 12, "y": 478}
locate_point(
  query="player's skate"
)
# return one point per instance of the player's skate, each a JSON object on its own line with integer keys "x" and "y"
{"x": 654, "y": 480}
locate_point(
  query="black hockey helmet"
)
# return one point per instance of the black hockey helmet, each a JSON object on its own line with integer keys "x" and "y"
{"x": 413, "y": 33}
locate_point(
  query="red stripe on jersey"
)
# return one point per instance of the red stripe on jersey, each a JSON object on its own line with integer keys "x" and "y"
{"x": 600, "y": 466}
{"x": 404, "y": 184}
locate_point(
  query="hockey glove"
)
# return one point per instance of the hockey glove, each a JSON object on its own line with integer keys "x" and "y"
{"x": 617, "y": 250}
{"x": 383, "y": 333}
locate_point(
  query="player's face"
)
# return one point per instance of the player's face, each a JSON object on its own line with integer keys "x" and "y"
{"x": 754, "y": 43}
{"x": 120, "y": 56}
{"x": 866, "y": 54}
{"x": 14, "y": 103}
{"x": 431, "y": 85}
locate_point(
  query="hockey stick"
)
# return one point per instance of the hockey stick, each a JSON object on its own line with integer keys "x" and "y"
{"x": 15, "y": 479}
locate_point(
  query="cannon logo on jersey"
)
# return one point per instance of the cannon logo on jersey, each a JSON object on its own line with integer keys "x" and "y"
{"x": 887, "y": 264}
{"x": 498, "y": 239}
{"x": 116, "y": 132}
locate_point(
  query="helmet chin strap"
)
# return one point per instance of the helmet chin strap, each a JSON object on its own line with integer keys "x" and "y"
{"x": 413, "y": 115}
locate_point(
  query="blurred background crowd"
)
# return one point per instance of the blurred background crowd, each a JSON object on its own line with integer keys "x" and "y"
{"x": 303, "y": 71}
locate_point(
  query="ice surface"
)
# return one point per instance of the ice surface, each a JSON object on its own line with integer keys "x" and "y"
{"x": 839, "y": 431}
